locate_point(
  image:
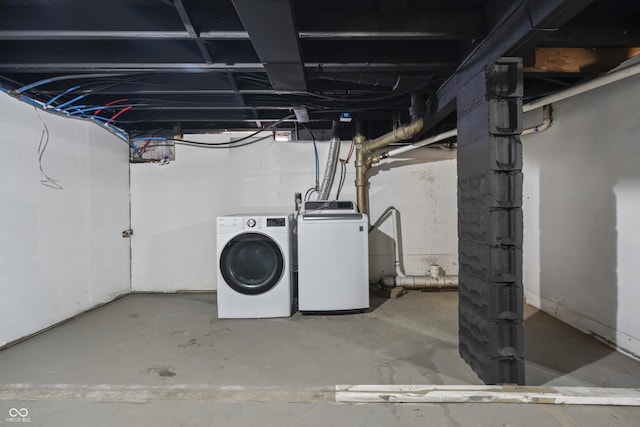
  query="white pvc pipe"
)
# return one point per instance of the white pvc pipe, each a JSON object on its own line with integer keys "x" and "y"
{"x": 428, "y": 141}
{"x": 449, "y": 282}
{"x": 396, "y": 236}
{"x": 606, "y": 79}
{"x": 434, "y": 281}
{"x": 546, "y": 122}
{"x": 421, "y": 282}
{"x": 396, "y": 239}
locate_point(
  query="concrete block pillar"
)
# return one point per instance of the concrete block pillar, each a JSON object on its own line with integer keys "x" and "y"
{"x": 490, "y": 223}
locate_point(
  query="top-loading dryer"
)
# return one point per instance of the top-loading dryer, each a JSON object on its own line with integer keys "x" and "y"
{"x": 255, "y": 279}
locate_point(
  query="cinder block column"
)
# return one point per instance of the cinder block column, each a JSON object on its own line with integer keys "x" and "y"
{"x": 490, "y": 223}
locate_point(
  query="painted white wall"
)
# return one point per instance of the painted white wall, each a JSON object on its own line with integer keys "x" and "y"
{"x": 581, "y": 211}
{"x": 61, "y": 250}
{"x": 423, "y": 187}
{"x": 175, "y": 206}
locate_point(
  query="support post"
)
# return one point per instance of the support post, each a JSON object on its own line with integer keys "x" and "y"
{"x": 490, "y": 311}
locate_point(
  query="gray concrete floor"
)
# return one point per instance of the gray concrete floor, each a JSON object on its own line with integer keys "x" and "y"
{"x": 91, "y": 370}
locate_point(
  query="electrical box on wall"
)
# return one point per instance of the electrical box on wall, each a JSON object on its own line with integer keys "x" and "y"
{"x": 152, "y": 150}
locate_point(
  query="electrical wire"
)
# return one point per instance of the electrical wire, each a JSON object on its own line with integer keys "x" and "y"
{"x": 76, "y": 109}
{"x": 77, "y": 98}
{"x": 350, "y": 151}
{"x": 100, "y": 119}
{"x": 343, "y": 176}
{"x": 44, "y": 137}
{"x": 212, "y": 146}
{"x": 98, "y": 109}
{"x": 315, "y": 152}
{"x": 144, "y": 147}
{"x": 197, "y": 144}
{"x": 42, "y": 146}
{"x": 55, "y": 98}
{"x": 234, "y": 141}
{"x": 67, "y": 77}
{"x": 343, "y": 168}
{"x": 119, "y": 113}
{"x": 150, "y": 138}
{"x": 31, "y": 101}
{"x": 111, "y": 84}
{"x": 309, "y": 192}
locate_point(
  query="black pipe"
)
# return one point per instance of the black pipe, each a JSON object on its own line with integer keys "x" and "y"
{"x": 417, "y": 106}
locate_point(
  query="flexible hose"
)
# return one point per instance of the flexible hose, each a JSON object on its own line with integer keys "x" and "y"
{"x": 330, "y": 169}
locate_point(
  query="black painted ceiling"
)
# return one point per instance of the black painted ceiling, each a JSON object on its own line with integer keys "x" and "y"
{"x": 161, "y": 66}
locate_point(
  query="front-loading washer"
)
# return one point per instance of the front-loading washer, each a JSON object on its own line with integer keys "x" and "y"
{"x": 255, "y": 278}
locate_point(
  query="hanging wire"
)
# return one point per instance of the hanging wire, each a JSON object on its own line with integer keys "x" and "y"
{"x": 343, "y": 168}
{"x": 343, "y": 176}
{"x": 42, "y": 146}
{"x": 216, "y": 145}
{"x": 232, "y": 142}
{"x": 309, "y": 192}
{"x": 315, "y": 152}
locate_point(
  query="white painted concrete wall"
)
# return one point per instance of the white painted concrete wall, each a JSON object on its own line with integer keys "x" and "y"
{"x": 61, "y": 250}
{"x": 423, "y": 187}
{"x": 582, "y": 213}
{"x": 175, "y": 206}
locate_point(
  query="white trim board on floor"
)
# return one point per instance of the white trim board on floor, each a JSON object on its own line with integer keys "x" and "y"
{"x": 487, "y": 394}
{"x": 133, "y": 393}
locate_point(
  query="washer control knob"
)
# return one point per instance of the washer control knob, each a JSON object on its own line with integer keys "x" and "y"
{"x": 251, "y": 223}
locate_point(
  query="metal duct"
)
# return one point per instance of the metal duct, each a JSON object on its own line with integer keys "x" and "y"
{"x": 330, "y": 169}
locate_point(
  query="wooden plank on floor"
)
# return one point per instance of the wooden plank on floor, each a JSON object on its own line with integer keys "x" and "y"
{"x": 135, "y": 393}
{"x": 487, "y": 394}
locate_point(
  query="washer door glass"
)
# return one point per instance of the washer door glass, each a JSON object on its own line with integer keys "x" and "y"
{"x": 251, "y": 263}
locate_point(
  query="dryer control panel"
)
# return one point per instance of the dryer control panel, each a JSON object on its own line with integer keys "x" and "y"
{"x": 234, "y": 223}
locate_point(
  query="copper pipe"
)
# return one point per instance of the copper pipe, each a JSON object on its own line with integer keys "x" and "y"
{"x": 365, "y": 148}
{"x": 402, "y": 133}
{"x": 362, "y": 182}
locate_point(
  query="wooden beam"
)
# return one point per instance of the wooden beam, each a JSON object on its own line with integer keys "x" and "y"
{"x": 578, "y": 60}
{"x": 521, "y": 27}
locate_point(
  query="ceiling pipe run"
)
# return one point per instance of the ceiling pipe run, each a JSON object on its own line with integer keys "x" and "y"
{"x": 364, "y": 162}
{"x": 546, "y": 101}
{"x": 365, "y": 148}
{"x": 572, "y": 91}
